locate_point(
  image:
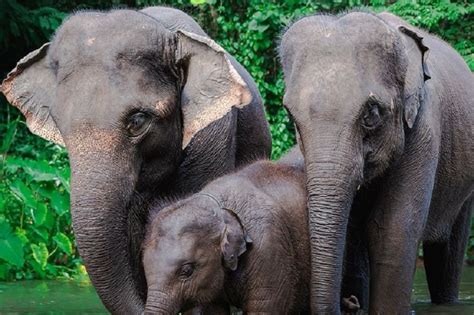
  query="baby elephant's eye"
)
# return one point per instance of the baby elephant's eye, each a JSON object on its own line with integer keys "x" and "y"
{"x": 372, "y": 117}
{"x": 138, "y": 123}
{"x": 187, "y": 270}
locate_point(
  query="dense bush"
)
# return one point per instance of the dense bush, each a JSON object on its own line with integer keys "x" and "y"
{"x": 35, "y": 223}
{"x": 36, "y": 240}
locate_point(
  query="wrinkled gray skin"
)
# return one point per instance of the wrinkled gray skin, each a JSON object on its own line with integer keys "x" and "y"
{"x": 381, "y": 137}
{"x": 147, "y": 106}
{"x": 242, "y": 240}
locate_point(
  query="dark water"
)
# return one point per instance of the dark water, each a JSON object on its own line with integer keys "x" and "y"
{"x": 58, "y": 297}
{"x": 421, "y": 298}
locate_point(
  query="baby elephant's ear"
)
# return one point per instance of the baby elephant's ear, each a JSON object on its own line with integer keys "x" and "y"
{"x": 30, "y": 87}
{"x": 234, "y": 240}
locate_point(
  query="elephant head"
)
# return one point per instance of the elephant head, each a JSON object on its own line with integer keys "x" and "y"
{"x": 188, "y": 248}
{"x": 126, "y": 97}
{"x": 354, "y": 86}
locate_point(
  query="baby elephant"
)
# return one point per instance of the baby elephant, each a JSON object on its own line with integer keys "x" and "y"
{"x": 242, "y": 240}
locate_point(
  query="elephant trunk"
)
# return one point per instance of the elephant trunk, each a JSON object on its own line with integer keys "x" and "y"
{"x": 159, "y": 302}
{"x": 101, "y": 187}
{"x": 332, "y": 179}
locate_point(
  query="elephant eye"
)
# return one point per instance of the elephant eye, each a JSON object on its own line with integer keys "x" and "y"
{"x": 138, "y": 123}
{"x": 187, "y": 270}
{"x": 372, "y": 116}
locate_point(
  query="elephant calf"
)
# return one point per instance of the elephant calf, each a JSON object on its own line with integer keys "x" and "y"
{"x": 194, "y": 249}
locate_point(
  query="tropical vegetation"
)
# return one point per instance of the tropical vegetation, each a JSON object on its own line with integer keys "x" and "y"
{"x": 36, "y": 238}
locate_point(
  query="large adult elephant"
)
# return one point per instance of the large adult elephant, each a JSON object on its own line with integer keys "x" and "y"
{"x": 387, "y": 131}
{"x": 147, "y": 106}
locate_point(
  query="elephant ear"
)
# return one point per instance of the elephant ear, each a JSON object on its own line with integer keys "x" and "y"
{"x": 416, "y": 75}
{"x": 234, "y": 240}
{"x": 212, "y": 84}
{"x": 30, "y": 88}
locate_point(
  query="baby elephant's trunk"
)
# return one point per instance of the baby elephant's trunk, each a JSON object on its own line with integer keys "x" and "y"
{"x": 159, "y": 302}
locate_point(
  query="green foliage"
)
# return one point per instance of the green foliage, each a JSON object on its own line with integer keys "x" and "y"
{"x": 36, "y": 239}
{"x": 23, "y": 28}
{"x": 452, "y": 21}
{"x": 11, "y": 249}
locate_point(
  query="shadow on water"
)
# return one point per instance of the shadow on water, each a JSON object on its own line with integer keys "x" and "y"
{"x": 63, "y": 297}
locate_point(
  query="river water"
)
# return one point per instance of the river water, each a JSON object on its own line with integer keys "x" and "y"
{"x": 67, "y": 297}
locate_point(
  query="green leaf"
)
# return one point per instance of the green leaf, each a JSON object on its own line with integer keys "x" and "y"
{"x": 65, "y": 176}
{"x": 12, "y": 164}
{"x": 21, "y": 234}
{"x": 39, "y": 214}
{"x": 14, "y": 28}
{"x": 40, "y": 254}
{"x": 63, "y": 242}
{"x": 59, "y": 202}
{"x": 3, "y": 204}
{"x": 9, "y": 136}
{"x": 254, "y": 26}
{"x": 40, "y": 171}
{"x": 52, "y": 270}
{"x": 11, "y": 250}
{"x": 5, "y": 228}
{"x": 50, "y": 220}
{"x": 4, "y": 270}
{"x": 23, "y": 193}
{"x": 37, "y": 268}
{"x": 197, "y": 2}
{"x": 41, "y": 232}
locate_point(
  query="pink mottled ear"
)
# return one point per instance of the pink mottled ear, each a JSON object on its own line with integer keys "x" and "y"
{"x": 31, "y": 87}
{"x": 212, "y": 84}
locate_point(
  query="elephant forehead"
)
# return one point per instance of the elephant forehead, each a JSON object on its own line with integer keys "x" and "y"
{"x": 188, "y": 222}
{"x": 181, "y": 248}
{"x": 335, "y": 83}
{"x": 95, "y": 35}
{"x": 334, "y": 91}
{"x": 329, "y": 35}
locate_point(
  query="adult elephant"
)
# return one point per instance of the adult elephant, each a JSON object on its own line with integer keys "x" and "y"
{"x": 147, "y": 105}
{"x": 389, "y": 132}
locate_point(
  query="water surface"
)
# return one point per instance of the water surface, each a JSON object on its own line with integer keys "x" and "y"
{"x": 421, "y": 297}
{"x": 49, "y": 297}
{"x": 67, "y": 297}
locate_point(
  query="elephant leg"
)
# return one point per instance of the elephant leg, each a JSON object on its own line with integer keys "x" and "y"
{"x": 396, "y": 225}
{"x": 392, "y": 256}
{"x": 355, "y": 280}
{"x": 443, "y": 261}
{"x": 395, "y": 228}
